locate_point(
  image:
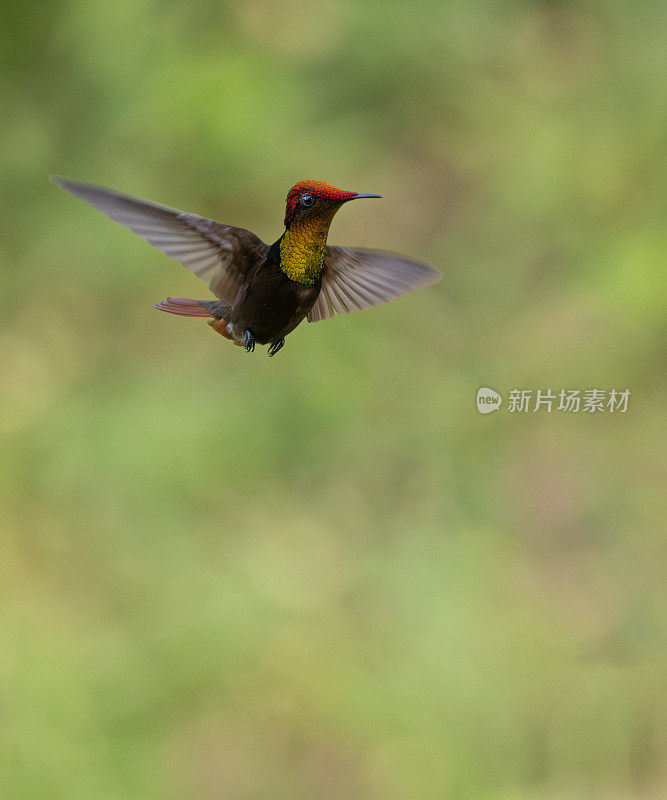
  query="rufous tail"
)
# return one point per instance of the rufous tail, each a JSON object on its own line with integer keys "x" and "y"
{"x": 183, "y": 306}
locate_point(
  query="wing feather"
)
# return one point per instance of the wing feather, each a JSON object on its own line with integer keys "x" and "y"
{"x": 220, "y": 254}
{"x": 353, "y": 280}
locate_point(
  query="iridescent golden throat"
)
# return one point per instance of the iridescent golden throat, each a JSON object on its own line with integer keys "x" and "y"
{"x": 303, "y": 245}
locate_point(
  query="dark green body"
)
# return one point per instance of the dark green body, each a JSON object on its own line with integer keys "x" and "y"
{"x": 270, "y": 305}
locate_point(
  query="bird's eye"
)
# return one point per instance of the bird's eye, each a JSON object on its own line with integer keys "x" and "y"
{"x": 307, "y": 200}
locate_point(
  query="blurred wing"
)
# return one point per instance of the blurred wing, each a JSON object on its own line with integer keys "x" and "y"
{"x": 219, "y": 254}
{"x": 356, "y": 279}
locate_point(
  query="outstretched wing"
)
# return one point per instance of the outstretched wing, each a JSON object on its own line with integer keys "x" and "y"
{"x": 222, "y": 255}
{"x": 356, "y": 279}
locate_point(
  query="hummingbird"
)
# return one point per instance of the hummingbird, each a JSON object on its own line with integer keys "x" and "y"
{"x": 264, "y": 291}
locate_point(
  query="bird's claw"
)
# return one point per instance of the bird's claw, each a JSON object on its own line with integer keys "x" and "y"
{"x": 275, "y": 347}
{"x": 249, "y": 341}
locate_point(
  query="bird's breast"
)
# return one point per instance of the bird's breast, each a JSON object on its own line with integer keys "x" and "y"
{"x": 302, "y": 250}
{"x": 274, "y": 304}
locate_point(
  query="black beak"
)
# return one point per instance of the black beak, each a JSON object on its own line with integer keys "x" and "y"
{"x": 361, "y": 194}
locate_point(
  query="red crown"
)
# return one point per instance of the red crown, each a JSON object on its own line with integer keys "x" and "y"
{"x": 319, "y": 189}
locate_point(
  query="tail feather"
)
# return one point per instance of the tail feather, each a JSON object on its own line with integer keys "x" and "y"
{"x": 183, "y": 306}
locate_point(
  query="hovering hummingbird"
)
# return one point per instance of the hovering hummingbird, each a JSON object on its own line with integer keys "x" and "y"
{"x": 264, "y": 291}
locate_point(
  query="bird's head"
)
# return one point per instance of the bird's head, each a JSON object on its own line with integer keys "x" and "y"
{"x": 316, "y": 202}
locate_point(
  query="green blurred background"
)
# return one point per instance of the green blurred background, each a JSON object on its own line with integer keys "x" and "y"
{"x": 326, "y": 575}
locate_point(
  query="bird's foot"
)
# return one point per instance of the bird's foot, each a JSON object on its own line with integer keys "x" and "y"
{"x": 249, "y": 341}
{"x": 275, "y": 347}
